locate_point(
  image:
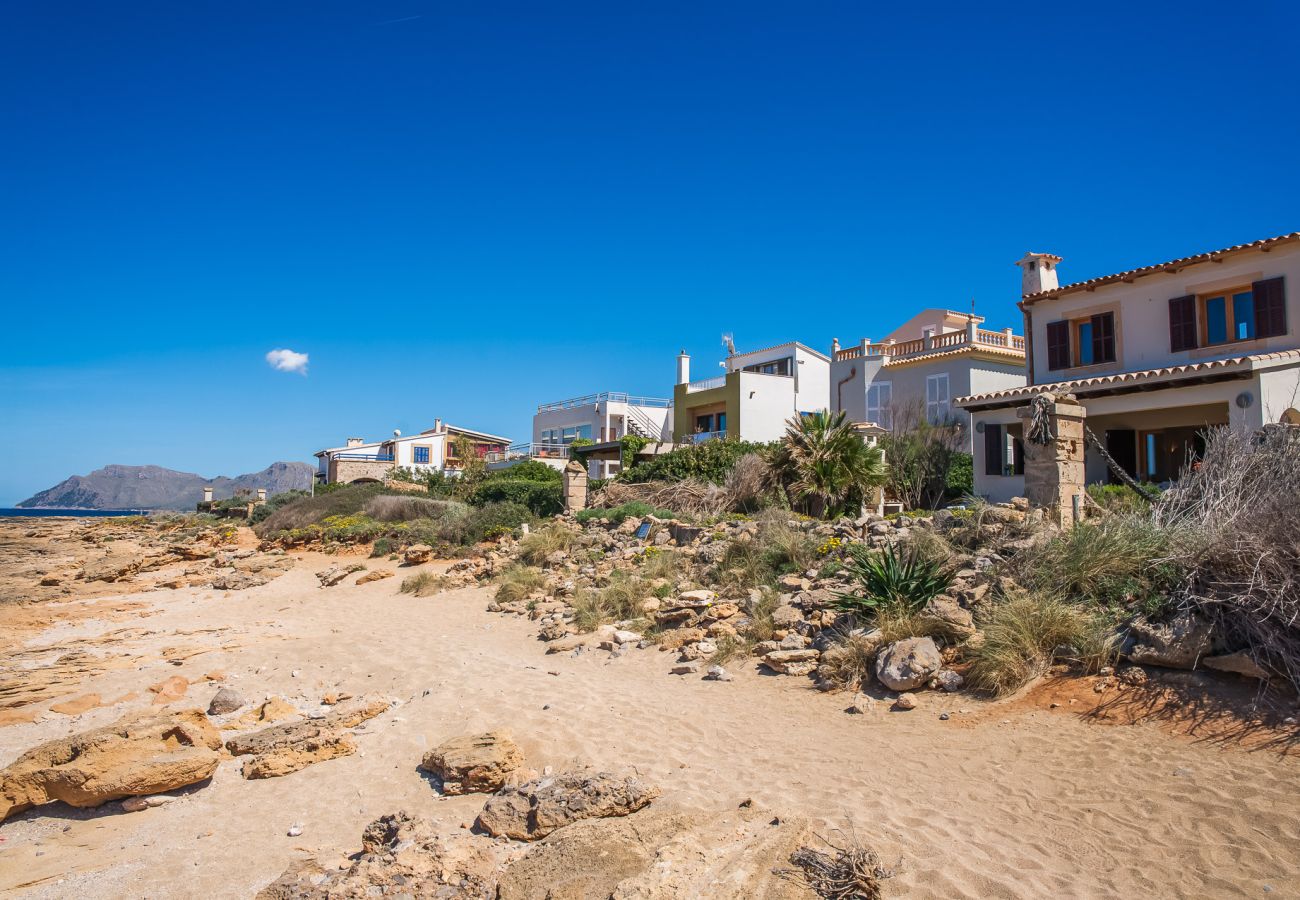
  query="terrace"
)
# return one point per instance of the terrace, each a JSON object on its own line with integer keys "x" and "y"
{"x": 604, "y": 397}
{"x": 948, "y": 342}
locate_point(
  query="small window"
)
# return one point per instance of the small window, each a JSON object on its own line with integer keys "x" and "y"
{"x": 421, "y": 456}
{"x": 880, "y": 404}
{"x": 1229, "y": 317}
{"x": 1081, "y": 342}
{"x": 936, "y": 398}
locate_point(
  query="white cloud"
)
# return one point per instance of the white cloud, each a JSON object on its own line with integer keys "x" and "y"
{"x": 288, "y": 361}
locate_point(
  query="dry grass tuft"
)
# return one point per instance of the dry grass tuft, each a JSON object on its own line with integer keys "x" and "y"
{"x": 539, "y": 544}
{"x": 422, "y": 584}
{"x": 518, "y": 581}
{"x": 850, "y": 661}
{"x": 849, "y": 872}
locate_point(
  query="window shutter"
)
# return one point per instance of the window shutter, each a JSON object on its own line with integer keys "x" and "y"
{"x": 1058, "y": 345}
{"x": 1103, "y": 338}
{"x": 1017, "y": 456}
{"x": 993, "y": 451}
{"x": 1182, "y": 324}
{"x": 1270, "y": 307}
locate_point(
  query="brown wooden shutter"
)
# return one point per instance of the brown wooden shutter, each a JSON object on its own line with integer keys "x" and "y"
{"x": 1058, "y": 345}
{"x": 1182, "y": 324}
{"x": 993, "y": 451}
{"x": 1270, "y": 307}
{"x": 1103, "y": 338}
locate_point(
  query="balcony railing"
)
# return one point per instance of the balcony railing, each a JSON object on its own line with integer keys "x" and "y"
{"x": 702, "y": 436}
{"x": 707, "y": 384}
{"x": 529, "y": 450}
{"x": 366, "y": 457}
{"x": 604, "y": 397}
{"x": 951, "y": 340}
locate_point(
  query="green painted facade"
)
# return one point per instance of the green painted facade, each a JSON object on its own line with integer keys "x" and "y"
{"x": 685, "y": 404}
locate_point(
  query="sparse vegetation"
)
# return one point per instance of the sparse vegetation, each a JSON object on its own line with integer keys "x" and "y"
{"x": 892, "y": 578}
{"x": 517, "y": 582}
{"x": 616, "y": 514}
{"x": 422, "y": 584}
{"x": 539, "y": 544}
{"x": 775, "y": 550}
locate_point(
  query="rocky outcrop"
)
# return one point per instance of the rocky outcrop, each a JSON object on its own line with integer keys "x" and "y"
{"x": 474, "y": 763}
{"x": 417, "y": 554}
{"x": 284, "y": 749}
{"x": 1180, "y": 643}
{"x": 908, "y": 664}
{"x": 533, "y": 810}
{"x": 142, "y": 754}
{"x": 401, "y": 855}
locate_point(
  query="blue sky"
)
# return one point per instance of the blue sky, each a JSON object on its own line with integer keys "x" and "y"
{"x": 459, "y": 210}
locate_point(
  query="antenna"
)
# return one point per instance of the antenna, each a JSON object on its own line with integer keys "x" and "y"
{"x": 729, "y": 344}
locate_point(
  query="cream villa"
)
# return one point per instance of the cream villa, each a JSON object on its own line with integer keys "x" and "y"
{"x": 1155, "y": 355}
{"x": 601, "y": 420}
{"x": 432, "y": 450}
{"x": 919, "y": 368}
{"x": 755, "y": 397}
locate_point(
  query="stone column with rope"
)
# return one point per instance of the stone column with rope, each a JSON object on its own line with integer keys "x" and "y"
{"x": 575, "y": 486}
{"x": 1054, "y": 448}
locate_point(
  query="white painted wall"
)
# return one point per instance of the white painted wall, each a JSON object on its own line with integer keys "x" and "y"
{"x": 1142, "y": 313}
{"x": 767, "y": 402}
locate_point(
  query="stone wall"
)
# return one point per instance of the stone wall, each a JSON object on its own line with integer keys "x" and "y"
{"x": 349, "y": 470}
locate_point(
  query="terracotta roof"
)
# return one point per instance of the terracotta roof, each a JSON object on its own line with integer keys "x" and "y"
{"x": 1167, "y": 374}
{"x": 1172, "y": 265}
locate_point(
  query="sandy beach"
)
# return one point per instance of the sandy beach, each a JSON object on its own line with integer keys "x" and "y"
{"x": 1008, "y": 799}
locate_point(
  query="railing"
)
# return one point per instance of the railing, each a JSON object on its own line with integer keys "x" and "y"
{"x": 707, "y": 384}
{"x": 366, "y": 457}
{"x": 701, "y": 437}
{"x": 605, "y": 396}
{"x": 527, "y": 450}
{"x": 937, "y": 343}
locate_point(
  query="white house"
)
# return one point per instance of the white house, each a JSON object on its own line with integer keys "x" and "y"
{"x": 432, "y": 450}
{"x": 1156, "y": 355}
{"x": 758, "y": 393}
{"x": 599, "y": 419}
{"x": 919, "y": 368}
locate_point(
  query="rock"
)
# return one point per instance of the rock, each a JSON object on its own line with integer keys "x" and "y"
{"x": 689, "y": 668}
{"x": 335, "y": 574}
{"x": 1239, "y": 663}
{"x": 225, "y": 700}
{"x": 283, "y": 749}
{"x": 786, "y": 616}
{"x": 402, "y": 856}
{"x": 793, "y": 641}
{"x": 140, "y": 754}
{"x": 949, "y": 619}
{"x": 416, "y": 554}
{"x": 863, "y": 704}
{"x": 946, "y": 680}
{"x": 1177, "y": 644}
{"x": 169, "y": 690}
{"x": 376, "y": 575}
{"x": 792, "y": 662}
{"x": 695, "y": 599}
{"x": 906, "y": 665}
{"x": 1130, "y": 675}
{"x": 723, "y": 611}
{"x": 717, "y": 673}
{"x": 140, "y": 804}
{"x": 274, "y": 709}
{"x": 474, "y": 763}
{"x": 295, "y": 830}
{"x": 535, "y": 809}
{"x": 675, "y": 640}
{"x": 905, "y": 702}
{"x": 77, "y": 705}
{"x": 626, "y": 637}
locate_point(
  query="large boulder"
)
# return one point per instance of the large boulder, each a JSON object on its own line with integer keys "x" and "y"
{"x": 138, "y": 755}
{"x": 472, "y": 763}
{"x": 416, "y": 554}
{"x": 792, "y": 662}
{"x": 533, "y": 810}
{"x": 948, "y": 618}
{"x": 1180, "y": 643}
{"x": 908, "y": 664}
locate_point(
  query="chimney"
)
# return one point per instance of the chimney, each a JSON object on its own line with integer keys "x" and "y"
{"x": 1038, "y": 273}
{"x": 356, "y": 442}
{"x": 437, "y": 425}
{"x": 835, "y": 347}
{"x": 261, "y": 495}
{"x": 207, "y": 495}
{"x": 683, "y": 368}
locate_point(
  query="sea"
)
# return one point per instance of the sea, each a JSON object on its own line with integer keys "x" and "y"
{"x": 7, "y": 512}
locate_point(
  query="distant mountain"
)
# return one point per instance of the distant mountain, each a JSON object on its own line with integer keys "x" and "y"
{"x": 153, "y": 487}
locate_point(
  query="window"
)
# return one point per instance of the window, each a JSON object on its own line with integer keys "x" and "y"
{"x": 1004, "y": 454}
{"x": 776, "y": 367}
{"x": 1229, "y": 317}
{"x": 880, "y": 407}
{"x": 1081, "y": 342}
{"x": 936, "y": 398}
{"x": 420, "y": 456}
{"x": 1226, "y": 317}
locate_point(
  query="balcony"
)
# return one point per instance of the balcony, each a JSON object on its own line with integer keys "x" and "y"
{"x": 939, "y": 343}
{"x": 365, "y": 457}
{"x": 707, "y": 384}
{"x": 604, "y": 397}
{"x": 701, "y": 437}
{"x": 528, "y": 450}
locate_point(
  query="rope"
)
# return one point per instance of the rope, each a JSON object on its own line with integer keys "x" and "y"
{"x": 1115, "y": 467}
{"x": 1040, "y": 421}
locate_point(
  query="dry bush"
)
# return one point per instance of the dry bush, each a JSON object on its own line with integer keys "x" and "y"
{"x": 777, "y": 549}
{"x": 759, "y": 608}
{"x": 660, "y": 564}
{"x": 749, "y": 484}
{"x": 898, "y": 623}
{"x": 690, "y": 497}
{"x": 391, "y": 508}
{"x": 517, "y": 581}
{"x": 1237, "y": 519}
{"x": 618, "y": 601}
{"x": 422, "y": 584}
{"x": 851, "y": 871}
{"x": 1026, "y": 633}
{"x": 539, "y": 544}
{"x": 850, "y": 660}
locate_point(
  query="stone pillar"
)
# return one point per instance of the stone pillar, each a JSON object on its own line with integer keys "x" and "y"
{"x": 261, "y": 495}
{"x": 1054, "y": 471}
{"x": 207, "y": 495}
{"x": 575, "y": 486}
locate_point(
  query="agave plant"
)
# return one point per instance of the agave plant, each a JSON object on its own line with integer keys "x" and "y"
{"x": 824, "y": 464}
{"x": 890, "y": 578}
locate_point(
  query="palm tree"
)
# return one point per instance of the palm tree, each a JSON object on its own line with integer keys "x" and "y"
{"x": 824, "y": 464}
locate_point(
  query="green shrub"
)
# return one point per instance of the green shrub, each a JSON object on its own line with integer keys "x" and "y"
{"x": 528, "y": 470}
{"x": 1120, "y": 498}
{"x": 405, "y": 508}
{"x": 709, "y": 461}
{"x": 383, "y": 546}
{"x": 776, "y": 550}
{"x": 339, "y": 500}
{"x": 961, "y": 476}
{"x": 494, "y": 518}
{"x": 1118, "y": 562}
{"x": 1025, "y": 634}
{"x": 543, "y": 498}
{"x": 634, "y": 509}
{"x": 890, "y": 578}
{"x": 276, "y": 501}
